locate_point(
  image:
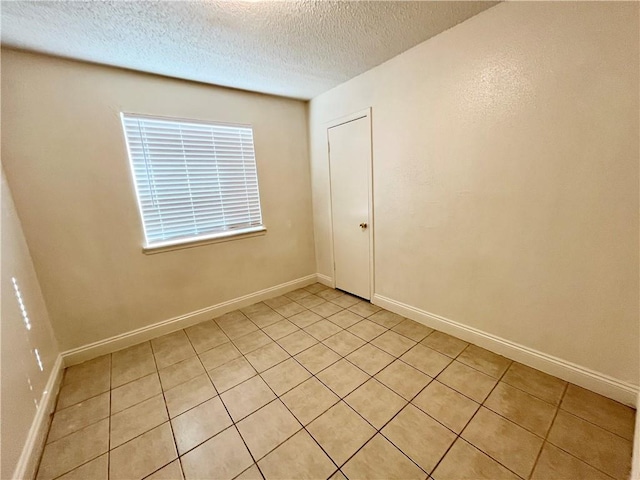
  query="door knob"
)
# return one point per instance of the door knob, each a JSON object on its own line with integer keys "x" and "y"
{"x": 363, "y": 225}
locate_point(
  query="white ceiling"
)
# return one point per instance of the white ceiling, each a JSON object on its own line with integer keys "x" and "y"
{"x": 295, "y": 49}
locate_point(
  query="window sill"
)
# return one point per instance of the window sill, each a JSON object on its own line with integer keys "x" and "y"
{"x": 198, "y": 241}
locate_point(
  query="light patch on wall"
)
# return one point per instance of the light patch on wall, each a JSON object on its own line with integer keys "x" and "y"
{"x": 37, "y": 354}
{"x": 25, "y": 317}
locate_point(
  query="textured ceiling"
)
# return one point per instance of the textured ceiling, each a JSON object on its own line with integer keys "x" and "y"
{"x": 293, "y": 48}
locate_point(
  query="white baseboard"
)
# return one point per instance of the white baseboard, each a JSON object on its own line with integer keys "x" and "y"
{"x": 32, "y": 450}
{"x": 325, "y": 280}
{"x": 128, "y": 339}
{"x": 603, "y": 384}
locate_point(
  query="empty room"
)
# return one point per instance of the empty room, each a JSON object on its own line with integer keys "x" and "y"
{"x": 320, "y": 240}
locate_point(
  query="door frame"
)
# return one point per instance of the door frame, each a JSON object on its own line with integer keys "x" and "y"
{"x": 365, "y": 113}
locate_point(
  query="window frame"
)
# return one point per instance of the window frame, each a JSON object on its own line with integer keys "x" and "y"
{"x": 193, "y": 241}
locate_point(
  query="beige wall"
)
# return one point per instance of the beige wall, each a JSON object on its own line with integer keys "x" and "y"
{"x": 65, "y": 159}
{"x": 505, "y": 156}
{"x": 23, "y": 382}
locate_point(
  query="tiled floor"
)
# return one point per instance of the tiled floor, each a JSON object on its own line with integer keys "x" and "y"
{"x": 319, "y": 384}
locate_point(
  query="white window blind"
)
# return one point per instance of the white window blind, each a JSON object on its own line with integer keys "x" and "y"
{"x": 194, "y": 179}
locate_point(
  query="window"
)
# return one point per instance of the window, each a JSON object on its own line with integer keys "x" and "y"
{"x": 194, "y": 180}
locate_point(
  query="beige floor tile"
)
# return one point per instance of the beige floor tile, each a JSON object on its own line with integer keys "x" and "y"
{"x": 231, "y": 374}
{"x": 386, "y": 319}
{"x": 132, "y": 363}
{"x": 317, "y": 287}
{"x": 172, "y": 348}
{"x": 259, "y": 308}
{"x": 247, "y": 397}
{"x": 280, "y": 329}
{"x": 317, "y": 358}
{"x": 468, "y": 381}
{"x": 403, "y": 379}
{"x": 277, "y": 301}
{"x": 299, "y": 457}
{"x": 511, "y": 445}
{"x": 290, "y": 309}
{"x": 375, "y": 402}
{"x": 310, "y": 301}
{"x": 134, "y": 392}
{"x": 78, "y": 416}
{"x": 487, "y": 362}
{"x": 426, "y": 360}
{"x": 267, "y": 428}
{"x": 284, "y": 376}
{"x": 304, "y": 318}
{"x": 345, "y": 319}
{"x": 602, "y": 411}
{"x": 465, "y": 462}
{"x": 77, "y": 392}
{"x": 370, "y": 359}
{"x": 251, "y": 473}
{"x": 238, "y": 328}
{"x": 526, "y": 410}
{"x": 98, "y": 367}
{"x": 419, "y": 436}
{"x": 345, "y": 301}
{"x": 252, "y": 341}
{"x": 199, "y": 424}
{"x": 413, "y": 330}
{"x": 343, "y": 377}
{"x": 393, "y": 343}
{"x": 443, "y": 343}
{"x": 219, "y": 355}
{"x": 330, "y": 294}
{"x": 366, "y": 330}
{"x": 449, "y": 407}
{"x": 340, "y": 432}
{"x": 322, "y": 329}
{"x": 180, "y": 372}
{"x": 364, "y": 309}
{"x": 538, "y": 384}
{"x": 326, "y": 309}
{"x": 344, "y": 342}
{"x": 173, "y": 471}
{"x": 138, "y": 419}
{"x": 265, "y": 319}
{"x": 309, "y": 400}
{"x": 187, "y": 395}
{"x": 97, "y": 469}
{"x": 297, "y": 342}
{"x": 222, "y": 457}
{"x": 69, "y": 452}
{"x": 205, "y": 336}
{"x": 266, "y": 357}
{"x": 598, "y": 447}
{"x": 555, "y": 463}
{"x": 297, "y": 294}
{"x": 143, "y": 455}
{"x": 380, "y": 460}
{"x": 229, "y": 319}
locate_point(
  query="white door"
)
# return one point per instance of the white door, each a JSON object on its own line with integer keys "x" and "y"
{"x": 350, "y": 167}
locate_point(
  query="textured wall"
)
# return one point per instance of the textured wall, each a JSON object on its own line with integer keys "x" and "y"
{"x": 506, "y": 177}
{"x": 65, "y": 158}
{"x": 23, "y": 381}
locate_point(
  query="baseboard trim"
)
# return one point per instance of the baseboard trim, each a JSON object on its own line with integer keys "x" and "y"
{"x": 32, "y": 450}
{"x": 603, "y": 384}
{"x": 325, "y": 280}
{"x": 118, "y": 342}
